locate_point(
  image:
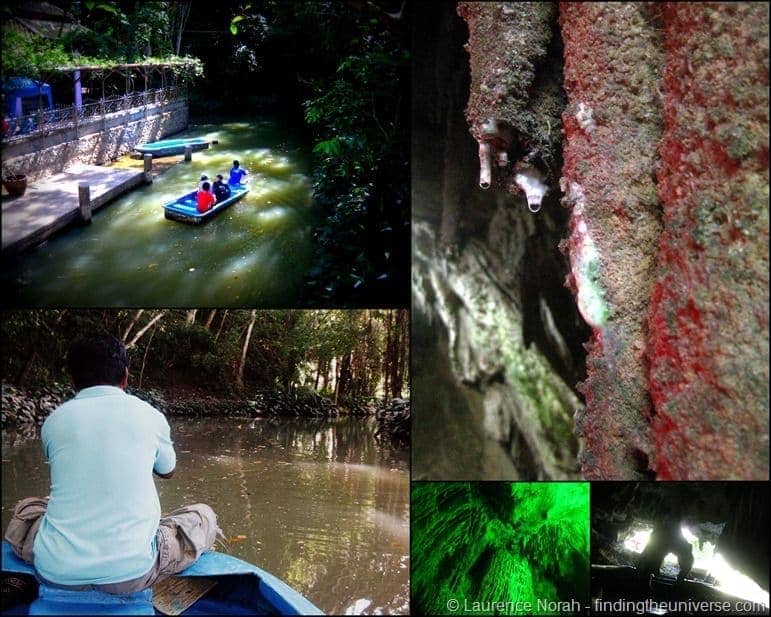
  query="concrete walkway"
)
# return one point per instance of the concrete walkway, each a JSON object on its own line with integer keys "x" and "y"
{"x": 52, "y": 203}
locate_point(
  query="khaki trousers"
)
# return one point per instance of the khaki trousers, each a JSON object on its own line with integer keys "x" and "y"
{"x": 182, "y": 536}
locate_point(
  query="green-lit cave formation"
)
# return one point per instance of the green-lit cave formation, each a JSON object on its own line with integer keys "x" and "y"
{"x": 621, "y": 332}
{"x": 492, "y": 542}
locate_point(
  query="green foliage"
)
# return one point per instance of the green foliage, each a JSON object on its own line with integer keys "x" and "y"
{"x": 189, "y": 357}
{"x": 30, "y": 55}
{"x": 361, "y": 177}
{"x": 106, "y": 36}
{"x": 200, "y": 352}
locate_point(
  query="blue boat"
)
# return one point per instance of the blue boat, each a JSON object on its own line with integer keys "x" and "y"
{"x": 239, "y": 589}
{"x": 185, "y": 209}
{"x": 168, "y": 147}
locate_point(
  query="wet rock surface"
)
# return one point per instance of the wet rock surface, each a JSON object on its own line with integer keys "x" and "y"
{"x": 30, "y": 408}
{"x": 709, "y": 347}
{"x": 613, "y": 64}
{"x": 393, "y": 418}
{"x": 664, "y": 136}
{"x": 494, "y": 285}
{"x": 528, "y": 407}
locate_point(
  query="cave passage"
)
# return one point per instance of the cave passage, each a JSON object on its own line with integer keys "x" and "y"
{"x": 680, "y": 542}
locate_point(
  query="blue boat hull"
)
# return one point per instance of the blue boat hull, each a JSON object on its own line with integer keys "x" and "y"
{"x": 185, "y": 209}
{"x": 169, "y": 147}
{"x": 241, "y": 589}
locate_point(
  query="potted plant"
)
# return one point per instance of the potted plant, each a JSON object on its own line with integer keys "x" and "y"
{"x": 15, "y": 183}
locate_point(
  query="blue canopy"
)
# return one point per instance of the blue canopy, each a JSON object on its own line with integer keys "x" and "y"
{"x": 15, "y": 89}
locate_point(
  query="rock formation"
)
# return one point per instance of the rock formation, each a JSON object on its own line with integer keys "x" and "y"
{"x": 649, "y": 124}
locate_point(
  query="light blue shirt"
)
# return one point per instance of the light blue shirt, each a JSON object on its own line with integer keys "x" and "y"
{"x": 99, "y": 528}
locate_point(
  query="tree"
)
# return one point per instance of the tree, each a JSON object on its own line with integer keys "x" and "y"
{"x": 178, "y": 15}
{"x": 139, "y": 334}
{"x": 348, "y": 354}
{"x": 242, "y": 363}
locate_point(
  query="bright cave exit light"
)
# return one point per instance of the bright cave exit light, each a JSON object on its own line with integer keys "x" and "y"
{"x": 727, "y": 579}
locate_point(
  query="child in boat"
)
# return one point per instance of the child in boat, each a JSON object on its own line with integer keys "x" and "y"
{"x": 204, "y": 198}
{"x": 220, "y": 189}
{"x": 204, "y": 180}
{"x": 237, "y": 174}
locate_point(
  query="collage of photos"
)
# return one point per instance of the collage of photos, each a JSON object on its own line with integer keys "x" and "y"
{"x": 385, "y": 307}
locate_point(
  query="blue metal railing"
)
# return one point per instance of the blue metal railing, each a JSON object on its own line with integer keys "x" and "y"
{"x": 71, "y": 116}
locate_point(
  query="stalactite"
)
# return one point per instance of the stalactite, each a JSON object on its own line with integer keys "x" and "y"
{"x": 515, "y": 97}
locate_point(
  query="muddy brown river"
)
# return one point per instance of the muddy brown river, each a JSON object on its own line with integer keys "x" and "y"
{"x": 319, "y": 504}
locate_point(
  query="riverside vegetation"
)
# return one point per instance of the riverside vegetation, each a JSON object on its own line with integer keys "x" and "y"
{"x": 223, "y": 363}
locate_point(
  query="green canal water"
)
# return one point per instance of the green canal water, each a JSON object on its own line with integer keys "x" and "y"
{"x": 317, "y": 503}
{"x": 255, "y": 253}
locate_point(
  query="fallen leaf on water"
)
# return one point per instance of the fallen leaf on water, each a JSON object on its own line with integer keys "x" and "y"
{"x": 238, "y": 538}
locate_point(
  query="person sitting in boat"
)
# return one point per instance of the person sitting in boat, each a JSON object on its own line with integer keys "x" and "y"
{"x": 101, "y": 527}
{"x": 237, "y": 173}
{"x": 204, "y": 180}
{"x": 220, "y": 189}
{"x": 205, "y": 199}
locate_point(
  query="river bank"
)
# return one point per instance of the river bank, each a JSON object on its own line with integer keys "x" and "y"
{"x": 27, "y": 408}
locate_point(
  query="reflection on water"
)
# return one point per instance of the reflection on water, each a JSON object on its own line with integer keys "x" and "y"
{"x": 255, "y": 253}
{"x": 317, "y": 503}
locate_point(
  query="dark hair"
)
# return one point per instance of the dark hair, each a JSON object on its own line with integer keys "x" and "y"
{"x": 204, "y": 177}
{"x": 98, "y": 360}
{"x": 219, "y": 176}
{"x": 235, "y": 163}
{"x": 206, "y": 186}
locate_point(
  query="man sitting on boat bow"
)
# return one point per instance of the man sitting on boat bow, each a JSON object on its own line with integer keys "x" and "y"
{"x": 101, "y": 528}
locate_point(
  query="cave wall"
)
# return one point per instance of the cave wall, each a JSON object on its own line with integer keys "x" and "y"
{"x": 494, "y": 542}
{"x": 612, "y": 125}
{"x": 709, "y": 312}
{"x": 666, "y": 176}
{"x": 648, "y": 122}
{"x": 484, "y": 267}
